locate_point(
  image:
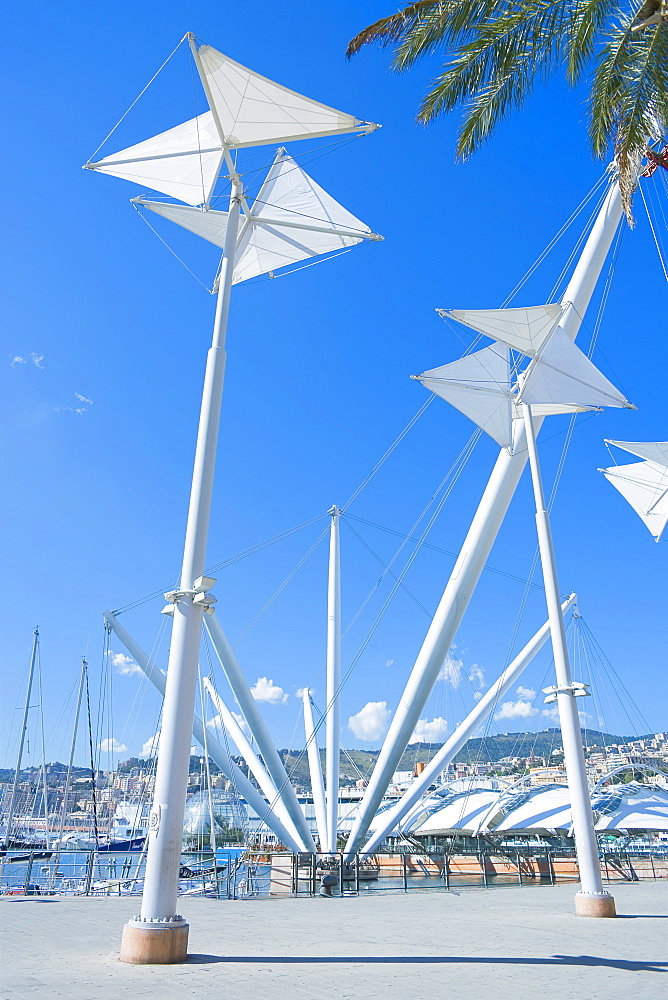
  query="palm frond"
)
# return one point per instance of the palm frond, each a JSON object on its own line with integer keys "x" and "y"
{"x": 587, "y": 19}
{"x": 391, "y": 29}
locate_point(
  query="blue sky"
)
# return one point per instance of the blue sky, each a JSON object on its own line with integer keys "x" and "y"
{"x": 100, "y": 416}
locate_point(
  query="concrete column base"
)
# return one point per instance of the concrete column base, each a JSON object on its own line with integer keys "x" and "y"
{"x": 594, "y": 905}
{"x": 147, "y": 942}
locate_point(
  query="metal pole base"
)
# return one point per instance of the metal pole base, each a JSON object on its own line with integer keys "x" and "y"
{"x": 154, "y": 942}
{"x": 598, "y": 904}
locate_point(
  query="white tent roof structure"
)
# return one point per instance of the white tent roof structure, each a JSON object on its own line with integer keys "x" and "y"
{"x": 633, "y": 806}
{"x": 292, "y": 219}
{"x": 246, "y": 109}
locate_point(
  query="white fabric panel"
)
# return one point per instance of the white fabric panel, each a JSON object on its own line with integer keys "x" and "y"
{"x": 479, "y": 387}
{"x": 563, "y": 374}
{"x": 254, "y": 110}
{"x": 525, "y": 329}
{"x": 210, "y": 225}
{"x": 288, "y": 194}
{"x": 547, "y": 808}
{"x": 182, "y": 162}
{"x": 551, "y": 409}
{"x": 462, "y": 812}
{"x": 653, "y": 451}
{"x": 632, "y": 807}
{"x": 645, "y": 486}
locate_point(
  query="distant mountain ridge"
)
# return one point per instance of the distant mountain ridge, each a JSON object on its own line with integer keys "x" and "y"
{"x": 481, "y": 750}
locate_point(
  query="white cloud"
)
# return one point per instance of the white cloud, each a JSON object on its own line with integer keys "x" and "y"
{"x": 17, "y": 360}
{"x": 83, "y": 399}
{"x": 388, "y": 663}
{"x": 112, "y": 746}
{"x": 75, "y": 409}
{"x": 477, "y": 676}
{"x": 551, "y": 713}
{"x": 452, "y": 668}
{"x": 430, "y": 732}
{"x": 516, "y": 710}
{"x": 125, "y": 664}
{"x": 37, "y": 359}
{"x": 150, "y": 747}
{"x": 300, "y": 691}
{"x": 477, "y": 695}
{"x": 528, "y": 693}
{"x": 370, "y": 723}
{"x": 217, "y": 723}
{"x": 264, "y": 689}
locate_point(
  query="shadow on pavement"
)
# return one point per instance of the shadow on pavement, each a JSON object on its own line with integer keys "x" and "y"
{"x": 556, "y": 960}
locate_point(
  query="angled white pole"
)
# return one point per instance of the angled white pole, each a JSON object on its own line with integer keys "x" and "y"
{"x": 217, "y": 752}
{"x": 315, "y": 769}
{"x": 480, "y": 539}
{"x": 258, "y": 728}
{"x": 592, "y": 900}
{"x": 254, "y": 763}
{"x": 461, "y": 735}
{"x": 24, "y": 729}
{"x": 333, "y": 712}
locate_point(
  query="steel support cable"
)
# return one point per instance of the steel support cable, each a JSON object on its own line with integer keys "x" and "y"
{"x": 619, "y": 682}
{"x": 282, "y": 586}
{"x": 393, "y": 575}
{"x": 436, "y": 548}
{"x": 244, "y": 554}
{"x": 657, "y": 244}
{"x": 138, "y": 97}
{"x": 453, "y": 474}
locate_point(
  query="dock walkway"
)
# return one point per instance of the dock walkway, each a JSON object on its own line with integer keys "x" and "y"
{"x": 502, "y": 943}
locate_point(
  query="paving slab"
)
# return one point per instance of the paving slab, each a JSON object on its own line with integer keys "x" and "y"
{"x": 504, "y": 943}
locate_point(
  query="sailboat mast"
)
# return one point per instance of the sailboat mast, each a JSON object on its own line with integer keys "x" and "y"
{"x": 592, "y": 894}
{"x": 333, "y": 713}
{"x": 96, "y": 832}
{"x": 68, "y": 779}
{"x": 480, "y": 538}
{"x": 24, "y": 728}
{"x": 166, "y": 822}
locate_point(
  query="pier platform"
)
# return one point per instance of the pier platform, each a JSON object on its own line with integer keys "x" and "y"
{"x": 503, "y": 943}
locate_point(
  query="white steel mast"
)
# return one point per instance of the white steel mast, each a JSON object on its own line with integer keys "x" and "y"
{"x": 333, "y": 713}
{"x": 592, "y": 900}
{"x": 480, "y": 538}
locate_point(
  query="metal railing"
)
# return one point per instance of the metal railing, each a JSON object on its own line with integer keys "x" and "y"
{"x": 246, "y": 874}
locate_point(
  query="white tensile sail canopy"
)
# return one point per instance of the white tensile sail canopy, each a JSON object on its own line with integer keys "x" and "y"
{"x": 563, "y": 374}
{"x": 644, "y": 484}
{"x": 478, "y": 385}
{"x": 653, "y": 451}
{"x": 246, "y": 110}
{"x": 183, "y": 162}
{"x": 254, "y": 111}
{"x": 525, "y": 329}
{"x": 292, "y": 219}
